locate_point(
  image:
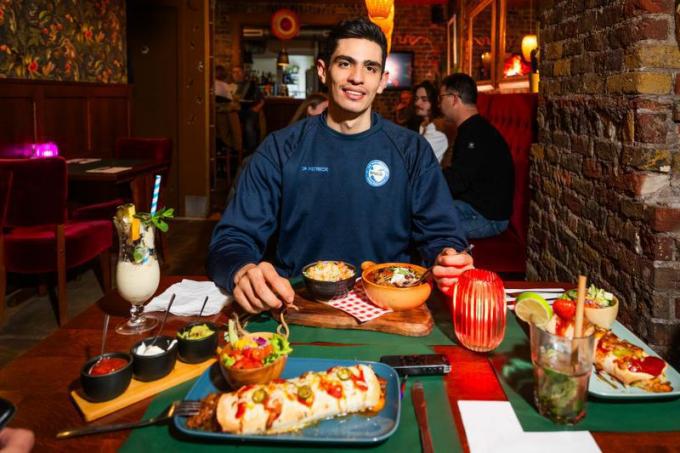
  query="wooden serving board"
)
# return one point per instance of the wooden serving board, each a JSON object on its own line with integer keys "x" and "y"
{"x": 413, "y": 323}
{"x": 139, "y": 390}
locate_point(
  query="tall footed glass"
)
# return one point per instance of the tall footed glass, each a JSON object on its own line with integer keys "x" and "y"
{"x": 137, "y": 271}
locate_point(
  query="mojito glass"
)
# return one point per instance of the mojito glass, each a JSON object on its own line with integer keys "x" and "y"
{"x": 562, "y": 368}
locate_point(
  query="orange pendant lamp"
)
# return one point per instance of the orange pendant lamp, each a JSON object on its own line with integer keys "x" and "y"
{"x": 381, "y": 13}
{"x": 530, "y": 41}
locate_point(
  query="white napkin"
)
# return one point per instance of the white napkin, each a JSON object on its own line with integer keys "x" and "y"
{"x": 189, "y": 296}
{"x": 492, "y": 426}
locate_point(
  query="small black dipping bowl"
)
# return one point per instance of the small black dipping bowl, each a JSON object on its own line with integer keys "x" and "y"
{"x": 107, "y": 386}
{"x": 324, "y": 291}
{"x": 152, "y": 367}
{"x": 196, "y": 351}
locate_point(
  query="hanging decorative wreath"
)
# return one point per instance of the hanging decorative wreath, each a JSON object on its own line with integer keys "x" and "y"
{"x": 285, "y": 24}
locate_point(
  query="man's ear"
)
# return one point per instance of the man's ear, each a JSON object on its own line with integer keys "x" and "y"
{"x": 383, "y": 81}
{"x": 321, "y": 70}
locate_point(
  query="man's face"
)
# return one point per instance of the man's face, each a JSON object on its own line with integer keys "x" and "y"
{"x": 448, "y": 101}
{"x": 405, "y": 97}
{"x": 354, "y": 75}
{"x": 422, "y": 104}
{"x": 237, "y": 74}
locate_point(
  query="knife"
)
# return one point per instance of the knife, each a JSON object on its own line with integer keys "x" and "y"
{"x": 420, "y": 406}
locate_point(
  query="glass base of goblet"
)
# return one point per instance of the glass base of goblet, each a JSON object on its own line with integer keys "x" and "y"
{"x": 136, "y": 326}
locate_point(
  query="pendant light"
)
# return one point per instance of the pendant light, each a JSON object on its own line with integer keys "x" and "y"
{"x": 282, "y": 58}
{"x": 530, "y": 41}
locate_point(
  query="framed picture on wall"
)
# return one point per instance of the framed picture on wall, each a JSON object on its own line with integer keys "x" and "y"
{"x": 451, "y": 45}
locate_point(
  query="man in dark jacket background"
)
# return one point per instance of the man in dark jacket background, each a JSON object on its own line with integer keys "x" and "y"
{"x": 481, "y": 177}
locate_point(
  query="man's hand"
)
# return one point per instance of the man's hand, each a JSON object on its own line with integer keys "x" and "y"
{"x": 16, "y": 440}
{"x": 448, "y": 265}
{"x": 258, "y": 287}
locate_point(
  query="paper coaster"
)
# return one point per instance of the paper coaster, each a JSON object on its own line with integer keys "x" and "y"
{"x": 356, "y": 303}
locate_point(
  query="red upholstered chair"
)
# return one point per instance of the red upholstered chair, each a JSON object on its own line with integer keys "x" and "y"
{"x": 37, "y": 238}
{"x": 158, "y": 149}
{"x": 514, "y": 115}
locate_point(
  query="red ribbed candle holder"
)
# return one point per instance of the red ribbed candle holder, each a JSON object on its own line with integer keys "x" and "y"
{"x": 479, "y": 310}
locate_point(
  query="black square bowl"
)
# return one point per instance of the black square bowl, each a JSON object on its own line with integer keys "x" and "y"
{"x": 196, "y": 351}
{"x": 151, "y": 367}
{"x": 106, "y": 386}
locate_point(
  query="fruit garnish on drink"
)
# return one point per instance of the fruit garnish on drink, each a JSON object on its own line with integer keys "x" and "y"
{"x": 532, "y": 308}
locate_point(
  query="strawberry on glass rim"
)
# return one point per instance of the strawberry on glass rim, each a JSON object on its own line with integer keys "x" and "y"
{"x": 565, "y": 309}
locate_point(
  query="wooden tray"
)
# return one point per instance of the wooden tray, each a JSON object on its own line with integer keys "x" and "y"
{"x": 413, "y": 323}
{"x": 139, "y": 390}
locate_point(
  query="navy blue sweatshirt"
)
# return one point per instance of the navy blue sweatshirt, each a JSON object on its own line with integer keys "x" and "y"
{"x": 323, "y": 195}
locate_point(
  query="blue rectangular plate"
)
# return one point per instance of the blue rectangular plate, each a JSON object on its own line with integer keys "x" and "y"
{"x": 603, "y": 390}
{"x": 354, "y": 429}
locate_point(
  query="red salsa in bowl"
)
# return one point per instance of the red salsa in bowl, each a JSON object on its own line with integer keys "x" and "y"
{"x": 107, "y": 365}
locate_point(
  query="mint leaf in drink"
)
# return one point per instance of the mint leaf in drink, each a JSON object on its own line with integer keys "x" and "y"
{"x": 138, "y": 254}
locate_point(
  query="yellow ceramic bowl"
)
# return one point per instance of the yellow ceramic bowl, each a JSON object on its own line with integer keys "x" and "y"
{"x": 392, "y": 297}
{"x": 238, "y": 378}
{"x": 603, "y": 317}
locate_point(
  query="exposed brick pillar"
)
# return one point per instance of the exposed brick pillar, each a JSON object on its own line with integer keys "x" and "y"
{"x": 606, "y": 168}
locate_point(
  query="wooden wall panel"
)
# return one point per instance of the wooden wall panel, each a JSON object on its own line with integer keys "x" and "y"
{"x": 63, "y": 121}
{"x": 84, "y": 119}
{"x": 108, "y": 121}
{"x": 16, "y": 118}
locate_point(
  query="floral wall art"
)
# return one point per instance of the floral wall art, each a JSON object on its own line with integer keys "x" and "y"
{"x": 69, "y": 40}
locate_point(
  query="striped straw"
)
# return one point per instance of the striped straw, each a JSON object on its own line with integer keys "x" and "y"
{"x": 156, "y": 190}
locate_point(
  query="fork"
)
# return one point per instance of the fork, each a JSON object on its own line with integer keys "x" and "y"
{"x": 181, "y": 408}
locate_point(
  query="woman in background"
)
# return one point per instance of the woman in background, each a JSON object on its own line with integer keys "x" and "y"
{"x": 315, "y": 104}
{"x": 427, "y": 109}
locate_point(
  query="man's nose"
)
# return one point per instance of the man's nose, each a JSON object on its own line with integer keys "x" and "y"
{"x": 356, "y": 75}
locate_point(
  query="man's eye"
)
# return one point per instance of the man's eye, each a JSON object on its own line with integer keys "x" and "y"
{"x": 343, "y": 64}
{"x": 372, "y": 69}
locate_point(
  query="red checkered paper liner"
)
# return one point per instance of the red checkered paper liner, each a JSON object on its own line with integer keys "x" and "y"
{"x": 357, "y": 304}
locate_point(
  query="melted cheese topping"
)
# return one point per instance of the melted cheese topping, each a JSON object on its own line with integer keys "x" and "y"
{"x": 282, "y": 410}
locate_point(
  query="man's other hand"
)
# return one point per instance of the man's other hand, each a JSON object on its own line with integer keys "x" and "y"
{"x": 258, "y": 287}
{"x": 448, "y": 265}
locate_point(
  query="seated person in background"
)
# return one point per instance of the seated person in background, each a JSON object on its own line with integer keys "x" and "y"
{"x": 315, "y": 104}
{"x": 481, "y": 176}
{"x": 404, "y": 114}
{"x": 345, "y": 185}
{"x": 223, "y": 89}
{"x": 250, "y": 97}
{"x": 427, "y": 108}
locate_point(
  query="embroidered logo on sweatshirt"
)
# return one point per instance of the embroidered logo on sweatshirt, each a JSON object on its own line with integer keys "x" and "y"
{"x": 314, "y": 169}
{"x": 377, "y": 173}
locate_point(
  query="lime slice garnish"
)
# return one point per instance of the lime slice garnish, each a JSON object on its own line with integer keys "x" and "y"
{"x": 532, "y": 308}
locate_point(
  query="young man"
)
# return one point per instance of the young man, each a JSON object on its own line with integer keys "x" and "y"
{"x": 346, "y": 185}
{"x": 481, "y": 176}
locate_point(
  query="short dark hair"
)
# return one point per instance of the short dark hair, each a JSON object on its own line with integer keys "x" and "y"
{"x": 360, "y": 28}
{"x": 432, "y": 96}
{"x": 464, "y": 85}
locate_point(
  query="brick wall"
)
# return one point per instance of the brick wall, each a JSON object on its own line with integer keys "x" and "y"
{"x": 606, "y": 170}
{"x": 413, "y": 32}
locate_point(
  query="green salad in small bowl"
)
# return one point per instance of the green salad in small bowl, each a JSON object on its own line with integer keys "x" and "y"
{"x": 601, "y": 306}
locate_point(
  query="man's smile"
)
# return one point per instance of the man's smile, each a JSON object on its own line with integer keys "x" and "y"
{"x": 354, "y": 94}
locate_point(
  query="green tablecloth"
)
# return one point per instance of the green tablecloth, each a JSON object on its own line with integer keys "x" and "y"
{"x": 373, "y": 346}
{"x": 512, "y": 364}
